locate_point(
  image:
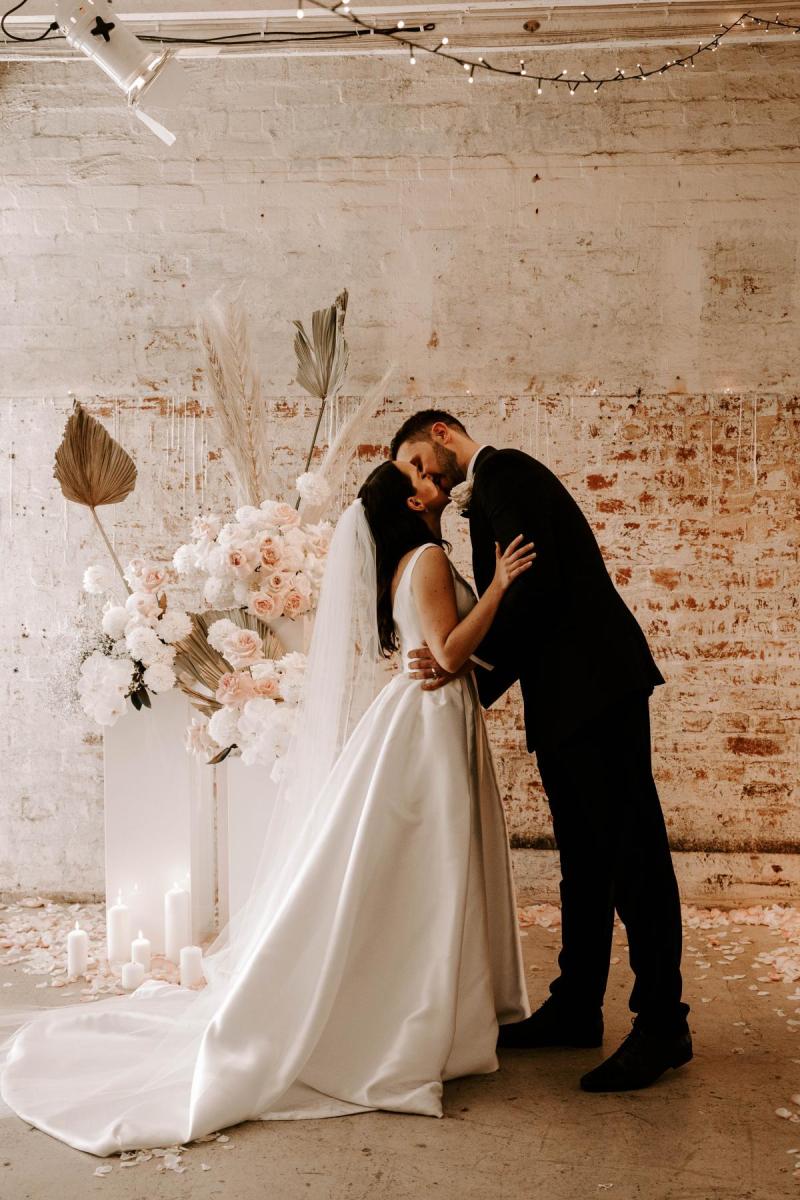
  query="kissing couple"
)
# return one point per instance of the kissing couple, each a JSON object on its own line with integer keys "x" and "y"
{"x": 378, "y": 955}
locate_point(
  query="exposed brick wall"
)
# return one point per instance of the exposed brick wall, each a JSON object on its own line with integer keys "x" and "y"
{"x": 540, "y": 258}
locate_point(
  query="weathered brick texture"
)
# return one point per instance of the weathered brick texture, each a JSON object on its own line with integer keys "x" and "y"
{"x": 530, "y": 262}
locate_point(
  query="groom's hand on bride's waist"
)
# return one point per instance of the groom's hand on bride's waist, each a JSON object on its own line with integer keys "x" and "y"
{"x": 423, "y": 666}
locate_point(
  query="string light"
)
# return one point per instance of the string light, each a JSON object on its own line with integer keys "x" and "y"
{"x": 300, "y": 12}
{"x": 412, "y": 60}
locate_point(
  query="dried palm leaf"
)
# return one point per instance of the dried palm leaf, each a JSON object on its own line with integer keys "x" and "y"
{"x": 322, "y": 361}
{"x": 199, "y": 667}
{"x": 93, "y": 469}
{"x": 339, "y": 454}
{"x": 241, "y": 413}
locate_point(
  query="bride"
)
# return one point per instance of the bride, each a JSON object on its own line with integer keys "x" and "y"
{"x": 378, "y": 950}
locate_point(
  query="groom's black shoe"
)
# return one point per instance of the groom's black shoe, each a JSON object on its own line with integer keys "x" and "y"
{"x": 552, "y": 1026}
{"x": 640, "y": 1060}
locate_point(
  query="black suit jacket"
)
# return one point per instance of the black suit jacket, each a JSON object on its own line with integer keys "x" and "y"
{"x": 562, "y": 628}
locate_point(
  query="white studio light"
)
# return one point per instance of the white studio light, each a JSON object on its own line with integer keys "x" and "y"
{"x": 146, "y": 76}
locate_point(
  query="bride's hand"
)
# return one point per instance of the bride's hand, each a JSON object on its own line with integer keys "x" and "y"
{"x": 513, "y": 562}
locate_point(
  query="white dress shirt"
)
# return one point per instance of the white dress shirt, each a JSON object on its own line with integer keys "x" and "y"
{"x": 470, "y": 472}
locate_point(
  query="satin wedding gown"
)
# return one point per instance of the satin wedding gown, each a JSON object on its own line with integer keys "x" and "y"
{"x": 386, "y": 971}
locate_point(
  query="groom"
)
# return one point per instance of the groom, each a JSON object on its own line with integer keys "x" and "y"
{"x": 586, "y": 674}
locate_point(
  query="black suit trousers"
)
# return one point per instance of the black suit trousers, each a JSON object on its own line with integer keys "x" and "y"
{"x": 614, "y": 854}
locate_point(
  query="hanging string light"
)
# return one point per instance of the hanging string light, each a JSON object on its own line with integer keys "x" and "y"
{"x": 399, "y": 33}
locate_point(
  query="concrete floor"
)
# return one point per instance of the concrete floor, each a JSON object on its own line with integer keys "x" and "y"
{"x": 707, "y": 1132}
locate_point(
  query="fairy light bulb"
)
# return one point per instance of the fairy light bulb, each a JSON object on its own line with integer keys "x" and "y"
{"x": 471, "y": 76}
{"x": 411, "y": 57}
{"x": 522, "y": 70}
{"x": 445, "y": 41}
{"x": 300, "y": 12}
{"x": 401, "y": 24}
{"x": 539, "y": 88}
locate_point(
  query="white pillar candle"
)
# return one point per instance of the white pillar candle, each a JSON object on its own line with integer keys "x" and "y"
{"x": 118, "y": 933}
{"x": 77, "y": 952}
{"x": 177, "y": 922}
{"x": 132, "y": 975}
{"x": 191, "y": 966}
{"x": 141, "y": 950}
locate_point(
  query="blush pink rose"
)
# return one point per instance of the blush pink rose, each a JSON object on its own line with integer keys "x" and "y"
{"x": 263, "y": 605}
{"x": 242, "y": 647}
{"x": 152, "y": 579}
{"x": 277, "y": 582}
{"x": 295, "y": 604}
{"x": 285, "y": 516}
{"x": 270, "y": 552}
{"x": 235, "y": 689}
{"x": 267, "y": 687}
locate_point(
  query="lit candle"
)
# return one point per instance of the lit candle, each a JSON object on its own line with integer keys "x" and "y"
{"x": 191, "y": 966}
{"x": 177, "y": 922}
{"x": 132, "y": 975}
{"x": 77, "y": 951}
{"x": 140, "y": 950}
{"x": 119, "y": 934}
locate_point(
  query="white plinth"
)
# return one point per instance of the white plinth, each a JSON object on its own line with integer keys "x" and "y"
{"x": 245, "y": 797}
{"x": 159, "y": 818}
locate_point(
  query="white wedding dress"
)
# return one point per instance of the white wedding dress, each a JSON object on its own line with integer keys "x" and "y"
{"x": 393, "y": 957}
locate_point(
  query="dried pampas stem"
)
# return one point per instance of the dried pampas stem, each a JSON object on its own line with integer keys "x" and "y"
{"x": 93, "y": 469}
{"x": 241, "y": 413}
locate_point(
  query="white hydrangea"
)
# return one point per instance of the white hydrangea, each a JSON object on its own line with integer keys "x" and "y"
{"x": 223, "y": 726}
{"x": 313, "y": 489}
{"x": 174, "y": 625}
{"x": 184, "y": 560}
{"x": 115, "y": 619}
{"x": 218, "y": 631}
{"x": 292, "y": 671}
{"x": 159, "y": 677}
{"x": 103, "y": 685}
{"x": 146, "y": 647}
{"x": 99, "y": 579}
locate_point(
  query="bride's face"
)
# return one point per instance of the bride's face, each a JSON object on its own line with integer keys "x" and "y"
{"x": 428, "y": 496}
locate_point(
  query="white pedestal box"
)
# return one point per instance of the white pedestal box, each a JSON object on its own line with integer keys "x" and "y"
{"x": 159, "y": 818}
{"x": 245, "y": 798}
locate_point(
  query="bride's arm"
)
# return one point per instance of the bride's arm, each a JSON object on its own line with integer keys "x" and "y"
{"x": 452, "y": 641}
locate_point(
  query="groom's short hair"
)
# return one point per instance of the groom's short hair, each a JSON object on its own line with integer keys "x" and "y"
{"x": 418, "y": 427}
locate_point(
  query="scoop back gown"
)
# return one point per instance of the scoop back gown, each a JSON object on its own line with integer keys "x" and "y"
{"x": 385, "y": 971}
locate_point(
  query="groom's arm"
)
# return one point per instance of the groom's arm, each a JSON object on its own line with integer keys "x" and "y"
{"x": 504, "y": 494}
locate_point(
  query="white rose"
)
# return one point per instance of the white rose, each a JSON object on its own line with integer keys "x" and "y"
{"x": 159, "y": 677}
{"x": 133, "y": 571}
{"x": 223, "y": 726}
{"x": 206, "y": 527}
{"x": 250, "y": 517}
{"x": 152, "y": 578}
{"x": 174, "y": 625}
{"x": 98, "y": 579}
{"x": 115, "y": 618}
{"x": 313, "y": 489}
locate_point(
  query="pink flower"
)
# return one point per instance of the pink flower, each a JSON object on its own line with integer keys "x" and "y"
{"x": 263, "y": 605}
{"x": 267, "y": 687}
{"x": 295, "y": 603}
{"x": 277, "y": 582}
{"x": 235, "y": 688}
{"x": 270, "y": 552}
{"x": 239, "y": 563}
{"x": 152, "y": 579}
{"x": 242, "y": 647}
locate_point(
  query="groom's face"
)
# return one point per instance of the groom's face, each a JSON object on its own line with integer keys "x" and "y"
{"x": 433, "y": 459}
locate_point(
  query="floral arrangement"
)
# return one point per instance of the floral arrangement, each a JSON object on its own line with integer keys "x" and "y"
{"x": 255, "y": 571}
{"x": 265, "y": 559}
{"x": 138, "y": 647}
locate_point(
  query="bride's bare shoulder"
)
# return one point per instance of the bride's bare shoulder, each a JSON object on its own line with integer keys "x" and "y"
{"x": 430, "y": 562}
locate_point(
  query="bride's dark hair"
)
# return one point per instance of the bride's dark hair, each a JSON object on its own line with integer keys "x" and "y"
{"x": 396, "y": 529}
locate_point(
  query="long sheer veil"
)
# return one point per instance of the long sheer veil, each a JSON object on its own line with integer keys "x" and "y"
{"x": 158, "y": 1038}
